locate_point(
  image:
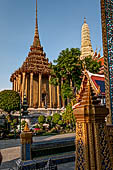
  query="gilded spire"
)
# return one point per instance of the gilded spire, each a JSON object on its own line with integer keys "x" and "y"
{"x": 36, "y": 41}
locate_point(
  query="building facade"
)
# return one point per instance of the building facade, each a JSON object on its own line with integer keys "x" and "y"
{"x": 32, "y": 78}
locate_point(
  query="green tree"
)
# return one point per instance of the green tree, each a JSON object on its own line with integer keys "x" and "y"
{"x": 56, "y": 118}
{"x": 91, "y": 65}
{"x": 41, "y": 119}
{"x": 68, "y": 68}
{"x": 9, "y": 100}
{"x": 68, "y": 117}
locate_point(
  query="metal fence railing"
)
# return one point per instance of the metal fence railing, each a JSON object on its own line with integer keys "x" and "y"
{"x": 50, "y": 165}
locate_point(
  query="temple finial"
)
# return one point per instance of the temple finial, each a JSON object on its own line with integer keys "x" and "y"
{"x": 84, "y": 19}
{"x": 36, "y": 37}
{"x": 36, "y": 15}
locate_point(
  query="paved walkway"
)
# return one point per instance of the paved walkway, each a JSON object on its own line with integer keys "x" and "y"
{"x": 9, "y": 154}
{"x": 10, "y": 149}
{"x": 16, "y": 142}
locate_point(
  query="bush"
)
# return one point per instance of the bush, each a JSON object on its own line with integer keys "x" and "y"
{"x": 41, "y": 119}
{"x": 56, "y": 118}
{"x": 49, "y": 119}
{"x": 60, "y": 122}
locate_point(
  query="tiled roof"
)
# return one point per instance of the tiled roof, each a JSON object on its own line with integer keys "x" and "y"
{"x": 102, "y": 60}
{"x": 99, "y": 81}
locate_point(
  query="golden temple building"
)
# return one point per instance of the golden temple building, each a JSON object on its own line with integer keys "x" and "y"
{"x": 32, "y": 78}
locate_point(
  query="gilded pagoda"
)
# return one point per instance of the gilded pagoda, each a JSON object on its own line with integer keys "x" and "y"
{"x": 32, "y": 78}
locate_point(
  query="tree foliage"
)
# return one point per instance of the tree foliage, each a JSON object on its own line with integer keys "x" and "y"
{"x": 9, "y": 100}
{"x": 92, "y": 65}
{"x": 69, "y": 68}
{"x": 68, "y": 117}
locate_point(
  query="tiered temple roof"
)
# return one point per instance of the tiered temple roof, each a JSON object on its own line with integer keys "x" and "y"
{"x": 36, "y": 61}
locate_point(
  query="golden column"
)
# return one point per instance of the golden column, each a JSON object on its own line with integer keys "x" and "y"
{"x": 19, "y": 82}
{"x": 31, "y": 89}
{"x": 23, "y": 85}
{"x": 40, "y": 90}
{"x": 16, "y": 84}
{"x": 26, "y": 86}
{"x": 13, "y": 85}
{"x": 93, "y": 149}
{"x": 50, "y": 92}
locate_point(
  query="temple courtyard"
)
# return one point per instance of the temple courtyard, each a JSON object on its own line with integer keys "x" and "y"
{"x": 10, "y": 150}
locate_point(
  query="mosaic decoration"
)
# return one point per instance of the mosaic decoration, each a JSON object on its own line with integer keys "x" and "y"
{"x": 80, "y": 146}
{"x": 106, "y": 164}
{"x": 109, "y": 32}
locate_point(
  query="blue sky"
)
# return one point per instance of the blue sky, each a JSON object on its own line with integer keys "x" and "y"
{"x": 59, "y": 21}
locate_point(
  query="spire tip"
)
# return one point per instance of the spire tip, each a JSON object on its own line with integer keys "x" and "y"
{"x": 84, "y": 19}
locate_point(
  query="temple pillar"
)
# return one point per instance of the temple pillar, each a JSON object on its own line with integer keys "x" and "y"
{"x": 31, "y": 89}
{"x": 58, "y": 97}
{"x": 13, "y": 85}
{"x": 26, "y": 81}
{"x": 16, "y": 84}
{"x": 50, "y": 93}
{"x": 93, "y": 149}
{"x": 23, "y": 85}
{"x": 19, "y": 82}
{"x": 40, "y": 90}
